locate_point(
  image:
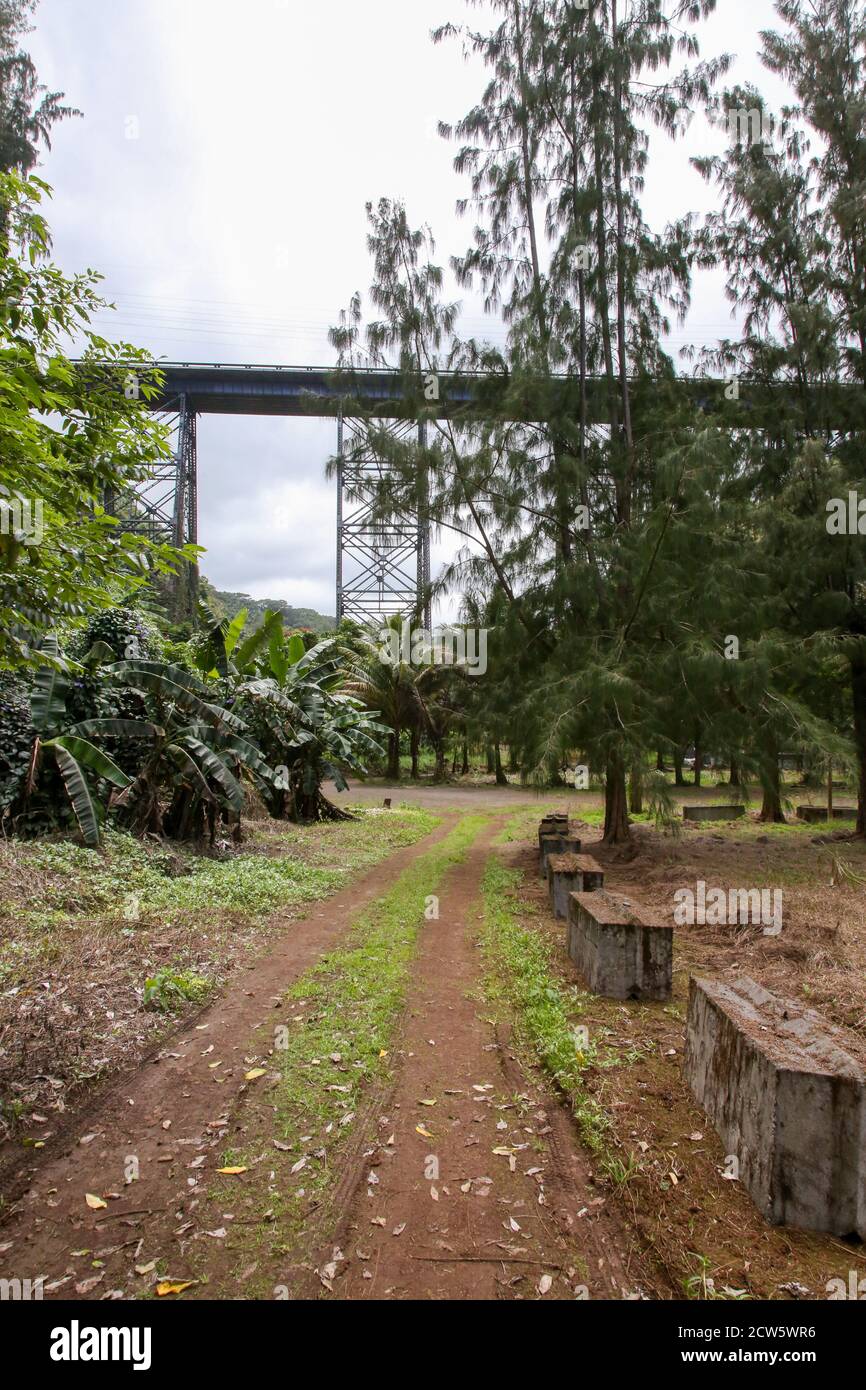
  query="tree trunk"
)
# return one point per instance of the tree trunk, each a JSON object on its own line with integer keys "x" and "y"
{"x": 699, "y": 761}
{"x": 771, "y": 807}
{"x": 501, "y": 779}
{"x": 858, "y": 694}
{"x": 616, "y": 829}
{"x": 415, "y": 739}
{"x": 660, "y": 761}
{"x": 393, "y": 772}
{"x": 679, "y": 780}
{"x": 491, "y": 761}
{"x": 635, "y": 791}
{"x": 464, "y": 771}
{"x": 735, "y": 773}
{"x": 440, "y": 773}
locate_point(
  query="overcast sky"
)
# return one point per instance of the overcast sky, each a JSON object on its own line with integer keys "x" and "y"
{"x": 218, "y": 180}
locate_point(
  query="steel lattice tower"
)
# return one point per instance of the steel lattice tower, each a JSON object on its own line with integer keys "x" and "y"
{"x": 383, "y": 568}
{"x": 166, "y": 505}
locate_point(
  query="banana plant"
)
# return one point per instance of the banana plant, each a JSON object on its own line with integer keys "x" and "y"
{"x": 71, "y": 752}
{"x": 193, "y": 750}
{"x": 311, "y": 728}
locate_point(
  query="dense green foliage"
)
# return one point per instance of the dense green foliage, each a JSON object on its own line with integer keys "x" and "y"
{"x": 659, "y": 580}
{"x": 69, "y": 436}
{"x": 165, "y": 748}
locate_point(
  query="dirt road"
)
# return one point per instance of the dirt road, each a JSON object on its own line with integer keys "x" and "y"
{"x": 466, "y": 1181}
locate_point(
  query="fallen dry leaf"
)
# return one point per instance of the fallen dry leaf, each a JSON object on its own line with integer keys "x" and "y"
{"x": 87, "y": 1285}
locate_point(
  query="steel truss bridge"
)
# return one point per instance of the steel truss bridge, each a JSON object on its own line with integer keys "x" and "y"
{"x": 384, "y": 569}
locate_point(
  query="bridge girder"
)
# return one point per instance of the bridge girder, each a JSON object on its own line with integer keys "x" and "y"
{"x": 381, "y": 570}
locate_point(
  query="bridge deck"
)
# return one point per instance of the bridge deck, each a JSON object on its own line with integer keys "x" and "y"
{"x": 241, "y": 389}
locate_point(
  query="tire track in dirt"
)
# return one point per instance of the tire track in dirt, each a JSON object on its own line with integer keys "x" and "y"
{"x": 174, "y": 1114}
{"x": 441, "y": 1215}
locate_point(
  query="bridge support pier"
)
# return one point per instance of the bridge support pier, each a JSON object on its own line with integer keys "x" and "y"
{"x": 383, "y": 567}
{"x": 165, "y": 508}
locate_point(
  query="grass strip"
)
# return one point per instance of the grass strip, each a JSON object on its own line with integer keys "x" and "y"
{"x": 519, "y": 976}
{"x": 342, "y": 1016}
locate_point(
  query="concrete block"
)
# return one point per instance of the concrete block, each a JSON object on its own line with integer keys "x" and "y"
{"x": 621, "y": 951}
{"x": 556, "y": 842}
{"x": 713, "y": 812}
{"x": 817, "y": 813}
{"x": 552, "y": 825}
{"x": 571, "y": 873}
{"x": 787, "y": 1100}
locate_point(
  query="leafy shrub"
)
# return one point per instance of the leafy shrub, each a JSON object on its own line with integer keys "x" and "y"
{"x": 168, "y": 989}
{"x": 17, "y": 735}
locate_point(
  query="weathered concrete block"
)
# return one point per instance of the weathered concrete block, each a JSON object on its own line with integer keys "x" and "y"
{"x": 571, "y": 873}
{"x": 552, "y": 825}
{"x": 556, "y": 843}
{"x": 713, "y": 812}
{"x": 788, "y": 1101}
{"x": 815, "y": 813}
{"x": 622, "y": 952}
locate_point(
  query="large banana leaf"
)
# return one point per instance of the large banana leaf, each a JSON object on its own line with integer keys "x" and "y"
{"x": 247, "y": 752}
{"x": 91, "y": 756}
{"x": 157, "y": 681}
{"x": 277, "y": 653}
{"x": 296, "y": 649}
{"x": 118, "y": 728}
{"x": 48, "y": 700}
{"x": 336, "y": 776}
{"x": 271, "y": 623}
{"x": 166, "y": 669}
{"x": 221, "y": 715}
{"x": 191, "y": 769}
{"x": 83, "y": 805}
{"x": 216, "y": 770}
{"x": 98, "y": 654}
{"x": 229, "y": 743}
{"x": 268, "y": 695}
{"x": 236, "y": 627}
{"x": 212, "y": 658}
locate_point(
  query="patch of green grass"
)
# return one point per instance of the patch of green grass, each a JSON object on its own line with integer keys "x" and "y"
{"x": 519, "y": 976}
{"x": 524, "y": 824}
{"x": 130, "y": 878}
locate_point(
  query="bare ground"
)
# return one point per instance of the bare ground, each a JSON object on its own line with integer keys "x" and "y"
{"x": 439, "y": 1214}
